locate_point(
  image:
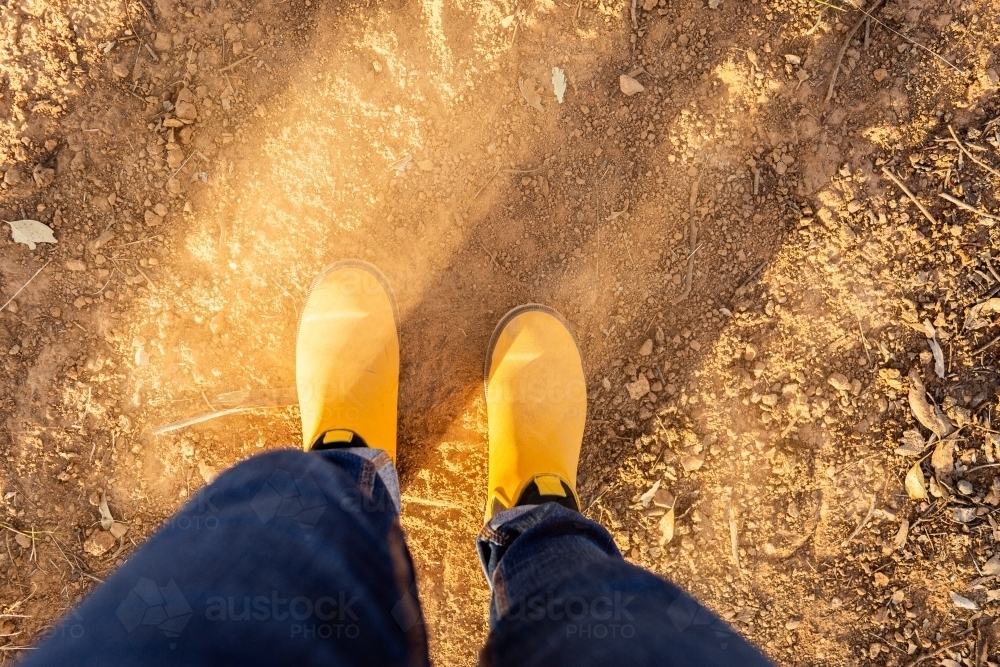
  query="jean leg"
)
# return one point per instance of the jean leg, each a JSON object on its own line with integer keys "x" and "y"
{"x": 563, "y": 595}
{"x": 287, "y": 558}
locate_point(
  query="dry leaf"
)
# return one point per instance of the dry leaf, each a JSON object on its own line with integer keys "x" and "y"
{"x": 667, "y": 527}
{"x": 963, "y": 603}
{"x": 106, "y": 519}
{"x": 943, "y": 458}
{"x": 30, "y": 232}
{"x": 647, "y": 497}
{"x": 912, "y": 443}
{"x": 931, "y": 417}
{"x": 559, "y": 83}
{"x": 914, "y": 483}
{"x": 932, "y": 340}
{"x": 904, "y": 530}
{"x": 629, "y": 86}
{"x": 976, "y": 317}
{"x": 527, "y": 87}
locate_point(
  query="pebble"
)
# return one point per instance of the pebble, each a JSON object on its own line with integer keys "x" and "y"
{"x": 99, "y": 543}
{"x": 647, "y": 348}
{"x": 638, "y": 389}
{"x": 629, "y": 86}
{"x": 55, "y": 312}
{"x": 839, "y": 382}
{"x": 965, "y": 487}
{"x": 76, "y": 265}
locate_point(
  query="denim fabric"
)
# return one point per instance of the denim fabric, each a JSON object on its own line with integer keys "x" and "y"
{"x": 563, "y": 595}
{"x": 283, "y": 560}
{"x": 294, "y": 558}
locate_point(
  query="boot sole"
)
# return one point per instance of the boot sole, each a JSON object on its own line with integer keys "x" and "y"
{"x": 505, "y": 320}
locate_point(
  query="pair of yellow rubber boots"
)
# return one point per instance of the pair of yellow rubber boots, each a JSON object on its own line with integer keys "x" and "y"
{"x": 347, "y": 375}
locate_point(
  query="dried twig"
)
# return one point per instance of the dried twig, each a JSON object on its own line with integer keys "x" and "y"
{"x": 972, "y": 157}
{"x": 935, "y": 653}
{"x": 693, "y": 234}
{"x": 895, "y": 179}
{"x": 846, "y": 45}
{"x": 972, "y": 209}
{"x": 238, "y": 62}
{"x": 24, "y": 285}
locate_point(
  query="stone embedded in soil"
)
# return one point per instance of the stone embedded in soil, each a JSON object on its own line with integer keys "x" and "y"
{"x": 186, "y": 111}
{"x": 839, "y": 382}
{"x": 43, "y": 176}
{"x": 152, "y": 220}
{"x": 692, "y": 462}
{"x": 647, "y": 348}
{"x": 99, "y": 543}
{"x": 629, "y": 86}
{"x": 638, "y": 389}
{"x": 76, "y": 265}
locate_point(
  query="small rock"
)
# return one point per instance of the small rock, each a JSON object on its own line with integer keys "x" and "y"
{"x": 691, "y": 462}
{"x": 629, "y": 86}
{"x": 99, "y": 543}
{"x": 152, "y": 220}
{"x": 22, "y": 540}
{"x": 647, "y": 348}
{"x": 163, "y": 41}
{"x": 161, "y": 209}
{"x": 992, "y": 566}
{"x": 80, "y": 302}
{"x": 426, "y": 165}
{"x": 839, "y": 382}
{"x": 43, "y": 176}
{"x": 881, "y": 579}
{"x": 12, "y": 176}
{"x": 663, "y": 498}
{"x": 881, "y": 75}
{"x": 175, "y": 158}
{"x": 638, "y": 389}
{"x": 56, "y": 313}
{"x": 118, "y": 530}
{"x": 965, "y": 487}
{"x": 750, "y": 352}
{"x": 76, "y": 265}
{"x": 186, "y": 111}
{"x": 121, "y": 70}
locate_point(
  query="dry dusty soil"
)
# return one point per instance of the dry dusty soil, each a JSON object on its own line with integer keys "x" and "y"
{"x": 788, "y": 331}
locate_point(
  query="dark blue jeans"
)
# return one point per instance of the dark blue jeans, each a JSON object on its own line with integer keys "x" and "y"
{"x": 294, "y": 558}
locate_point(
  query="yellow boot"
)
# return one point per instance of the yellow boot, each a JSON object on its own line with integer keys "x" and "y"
{"x": 536, "y": 406}
{"x": 347, "y": 360}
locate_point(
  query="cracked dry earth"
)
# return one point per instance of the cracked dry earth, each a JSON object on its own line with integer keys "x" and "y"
{"x": 791, "y": 375}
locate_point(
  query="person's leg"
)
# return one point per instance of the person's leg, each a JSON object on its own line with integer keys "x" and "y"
{"x": 290, "y": 557}
{"x": 287, "y": 558}
{"x": 562, "y": 593}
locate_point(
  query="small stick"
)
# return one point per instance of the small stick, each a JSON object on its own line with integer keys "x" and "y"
{"x": 148, "y": 279}
{"x": 232, "y": 65}
{"x": 847, "y": 44}
{"x": 962, "y": 148}
{"x": 906, "y": 191}
{"x": 488, "y": 181}
{"x": 932, "y": 654}
{"x": 693, "y": 234}
{"x": 972, "y": 209}
{"x": 148, "y": 13}
{"x": 985, "y": 347}
{"x": 24, "y": 285}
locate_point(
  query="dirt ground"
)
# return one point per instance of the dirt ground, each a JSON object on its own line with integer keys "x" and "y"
{"x": 759, "y": 305}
